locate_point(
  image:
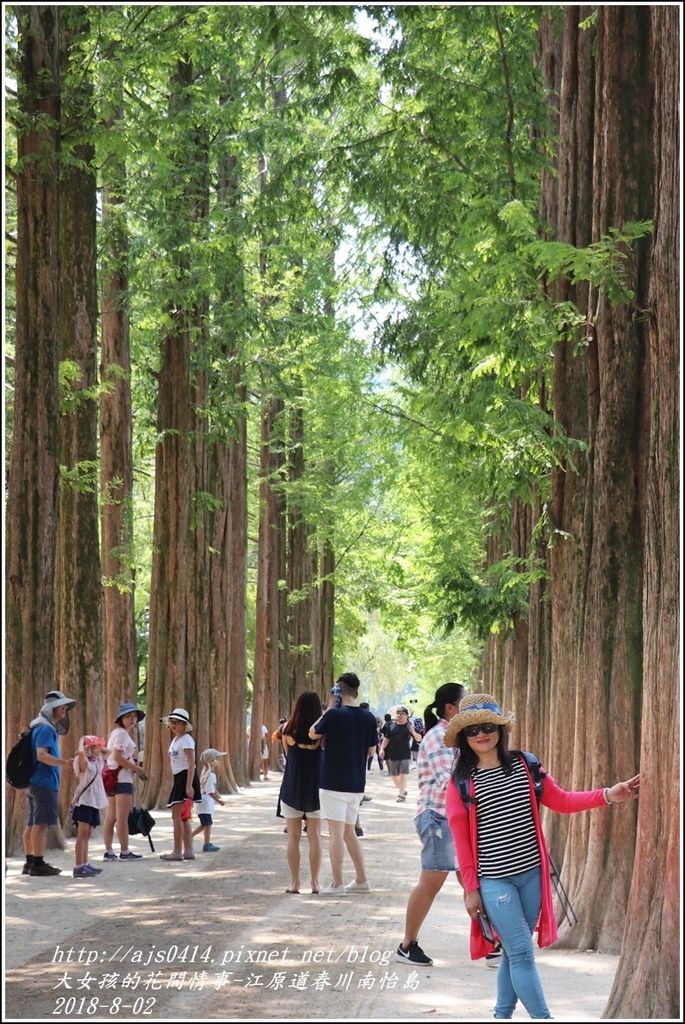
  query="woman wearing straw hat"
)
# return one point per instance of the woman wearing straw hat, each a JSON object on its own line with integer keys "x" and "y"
{"x": 122, "y": 757}
{"x": 492, "y": 811}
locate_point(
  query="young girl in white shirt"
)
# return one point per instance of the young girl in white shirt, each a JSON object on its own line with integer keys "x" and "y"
{"x": 208, "y": 760}
{"x": 89, "y": 799}
{"x": 186, "y": 785}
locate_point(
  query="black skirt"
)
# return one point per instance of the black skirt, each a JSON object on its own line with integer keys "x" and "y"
{"x": 178, "y": 792}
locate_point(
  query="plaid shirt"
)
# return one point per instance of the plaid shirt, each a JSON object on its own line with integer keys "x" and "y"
{"x": 433, "y": 766}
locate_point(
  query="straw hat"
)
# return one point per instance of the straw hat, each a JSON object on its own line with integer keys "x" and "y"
{"x": 475, "y": 709}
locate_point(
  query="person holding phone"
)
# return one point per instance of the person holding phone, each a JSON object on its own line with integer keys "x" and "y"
{"x": 493, "y": 814}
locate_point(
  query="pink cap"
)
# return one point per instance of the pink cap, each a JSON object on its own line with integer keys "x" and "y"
{"x": 93, "y": 741}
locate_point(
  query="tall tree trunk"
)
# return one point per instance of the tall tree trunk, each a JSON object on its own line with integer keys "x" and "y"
{"x": 119, "y": 664}
{"x": 268, "y": 630}
{"x": 571, "y": 214}
{"x": 78, "y": 586}
{"x": 610, "y": 660}
{"x": 646, "y": 985}
{"x": 32, "y": 493}
{"x": 228, "y": 469}
{"x": 299, "y": 567}
{"x": 167, "y": 656}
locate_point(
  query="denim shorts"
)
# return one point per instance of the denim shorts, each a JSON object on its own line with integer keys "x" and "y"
{"x": 42, "y": 806}
{"x": 205, "y": 820}
{"x": 437, "y": 845}
{"x": 123, "y": 789}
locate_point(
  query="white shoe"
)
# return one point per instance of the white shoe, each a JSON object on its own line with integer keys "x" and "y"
{"x": 333, "y": 890}
{"x": 358, "y": 887}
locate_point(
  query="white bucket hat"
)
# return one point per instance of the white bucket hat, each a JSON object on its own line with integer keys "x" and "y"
{"x": 178, "y": 715}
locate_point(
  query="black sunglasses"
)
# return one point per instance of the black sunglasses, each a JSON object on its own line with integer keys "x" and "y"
{"x": 487, "y": 727}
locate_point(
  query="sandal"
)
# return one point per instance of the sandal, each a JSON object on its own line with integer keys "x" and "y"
{"x": 170, "y": 856}
{"x": 188, "y": 856}
{"x": 295, "y": 892}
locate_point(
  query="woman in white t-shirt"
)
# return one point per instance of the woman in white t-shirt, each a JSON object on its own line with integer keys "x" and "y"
{"x": 186, "y": 787}
{"x": 122, "y": 757}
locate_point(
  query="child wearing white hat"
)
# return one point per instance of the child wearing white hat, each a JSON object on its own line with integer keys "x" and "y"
{"x": 208, "y": 762}
{"x": 186, "y": 787}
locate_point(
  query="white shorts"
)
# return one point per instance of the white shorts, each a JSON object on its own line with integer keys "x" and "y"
{"x": 338, "y": 806}
{"x": 292, "y": 812}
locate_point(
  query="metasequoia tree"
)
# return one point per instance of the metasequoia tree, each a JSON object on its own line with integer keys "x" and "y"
{"x": 646, "y": 985}
{"x": 32, "y": 492}
{"x": 78, "y": 644}
{"x": 167, "y": 657}
{"x": 119, "y": 665}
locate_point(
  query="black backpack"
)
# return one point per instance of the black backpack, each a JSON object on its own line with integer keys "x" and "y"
{"x": 20, "y": 763}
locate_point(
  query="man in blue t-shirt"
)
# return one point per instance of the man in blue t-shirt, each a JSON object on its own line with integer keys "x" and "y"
{"x": 43, "y": 792}
{"x": 350, "y": 737}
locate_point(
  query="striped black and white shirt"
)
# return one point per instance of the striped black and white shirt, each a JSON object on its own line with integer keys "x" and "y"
{"x": 507, "y": 839}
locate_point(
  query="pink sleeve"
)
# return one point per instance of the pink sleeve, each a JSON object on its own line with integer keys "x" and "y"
{"x": 558, "y": 799}
{"x": 458, "y": 818}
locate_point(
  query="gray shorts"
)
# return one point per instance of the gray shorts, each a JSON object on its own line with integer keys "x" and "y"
{"x": 398, "y": 767}
{"x": 437, "y": 845}
{"x": 43, "y": 806}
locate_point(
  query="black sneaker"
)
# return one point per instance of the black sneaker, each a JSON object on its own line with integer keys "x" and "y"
{"x": 493, "y": 959}
{"x": 413, "y": 955}
{"x": 26, "y": 868}
{"x": 358, "y": 830}
{"x": 44, "y": 869}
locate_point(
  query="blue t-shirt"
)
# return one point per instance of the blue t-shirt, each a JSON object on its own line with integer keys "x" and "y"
{"x": 45, "y": 775}
{"x": 349, "y": 733}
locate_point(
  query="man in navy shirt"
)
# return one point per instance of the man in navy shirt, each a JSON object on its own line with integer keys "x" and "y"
{"x": 350, "y": 738}
{"x": 43, "y": 793}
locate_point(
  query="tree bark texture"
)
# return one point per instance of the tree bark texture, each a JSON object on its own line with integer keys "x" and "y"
{"x": 78, "y": 587}
{"x": 570, "y": 388}
{"x": 646, "y": 985}
{"x": 300, "y": 674}
{"x": 119, "y": 666}
{"x": 609, "y": 609}
{"x": 32, "y": 497}
{"x": 167, "y": 653}
{"x": 268, "y": 628}
{"x": 228, "y": 569}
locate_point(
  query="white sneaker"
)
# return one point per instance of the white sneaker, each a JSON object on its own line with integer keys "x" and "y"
{"x": 358, "y": 887}
{"x": 333, "y": 890}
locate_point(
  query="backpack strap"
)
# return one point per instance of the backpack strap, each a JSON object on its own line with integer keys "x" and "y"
{"x": 537, "y": 772}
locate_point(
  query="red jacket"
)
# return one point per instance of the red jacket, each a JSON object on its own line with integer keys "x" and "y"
{"x": 462, "y": 821}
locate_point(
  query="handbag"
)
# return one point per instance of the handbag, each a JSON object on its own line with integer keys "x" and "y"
{"x": 141, "y": 822}
{"x": 110, "y": 777}
{"x": 187, "y": 809}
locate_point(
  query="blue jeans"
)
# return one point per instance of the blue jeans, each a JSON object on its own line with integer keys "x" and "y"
{"x": 513, "y": 906}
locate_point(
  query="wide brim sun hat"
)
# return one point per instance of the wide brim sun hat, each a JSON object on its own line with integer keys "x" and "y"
{"x": 126, "y": 708}
{"x": 476, "y": 709}
{"x": 178, "y": 715}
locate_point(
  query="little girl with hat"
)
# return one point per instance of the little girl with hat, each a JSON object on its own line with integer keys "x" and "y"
{"x": 208, "y": 760}
{"x": 89, "y": 799}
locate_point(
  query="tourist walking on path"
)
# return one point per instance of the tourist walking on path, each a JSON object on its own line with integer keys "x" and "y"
{"x": 43, "y": 793}
{"x": 122, "y": 758}
{"x": 492, "y": 808}
{"x": 299, "y": 796}
{"x": 186, "y": 788}
{"x": 350, "y": 738}
{"x": 396, "y": 750}
{"x": 434, "y": 766}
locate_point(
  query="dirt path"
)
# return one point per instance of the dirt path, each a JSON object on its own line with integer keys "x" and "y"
{"x": 218, "y": 938}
